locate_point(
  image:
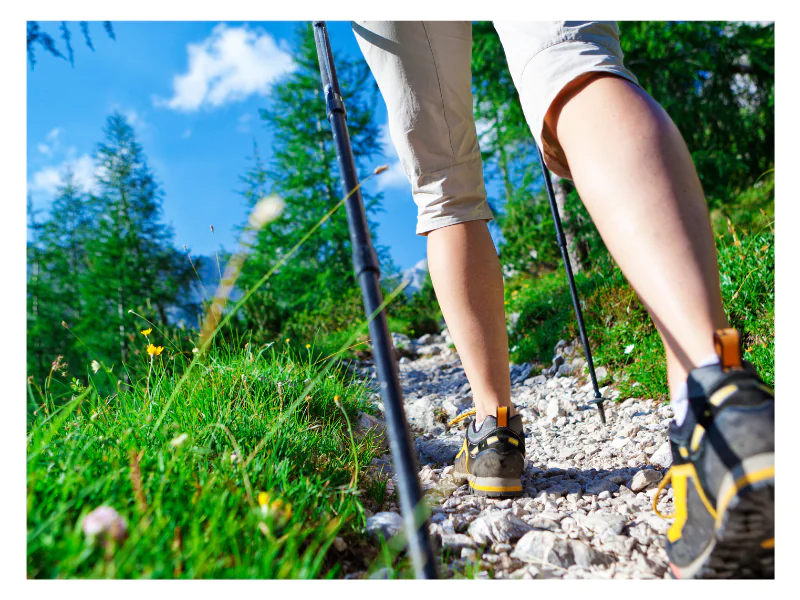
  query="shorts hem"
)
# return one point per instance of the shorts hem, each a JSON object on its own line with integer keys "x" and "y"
{"x": 424, "y": 227}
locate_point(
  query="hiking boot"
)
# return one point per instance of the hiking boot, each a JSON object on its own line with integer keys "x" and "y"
{"x": 492, "y": 458}
{"x": 723, "y": 472}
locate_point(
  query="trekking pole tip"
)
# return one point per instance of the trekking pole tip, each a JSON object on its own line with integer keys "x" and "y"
{"x": 598, "y": 402}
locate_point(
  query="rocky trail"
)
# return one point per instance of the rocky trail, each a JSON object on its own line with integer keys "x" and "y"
{"x": 586, "y": 511}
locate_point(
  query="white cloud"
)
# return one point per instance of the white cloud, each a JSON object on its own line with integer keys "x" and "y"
{"x": 395, "y": 177}
{"x": 243, "y": 123}
{"x": 230, "y": 65}
{"x": 52, "y": 144}
{"x": 46, "y": 181}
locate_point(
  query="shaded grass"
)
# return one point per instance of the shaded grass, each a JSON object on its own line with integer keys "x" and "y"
{"x": 192, "y": 508}
{"x": 615, "y": 319}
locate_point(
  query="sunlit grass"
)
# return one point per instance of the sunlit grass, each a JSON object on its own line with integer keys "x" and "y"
{"x": 185, "y": 487}
{"x": 229, "y": 461}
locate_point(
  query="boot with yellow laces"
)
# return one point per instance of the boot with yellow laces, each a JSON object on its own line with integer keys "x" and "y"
{"x": 492, "y": 458}
{"x": 723, "y": 472}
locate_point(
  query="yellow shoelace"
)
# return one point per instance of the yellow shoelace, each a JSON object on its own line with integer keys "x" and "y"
{"x": 463, "y": 416}
{"x": 664, "y": 482}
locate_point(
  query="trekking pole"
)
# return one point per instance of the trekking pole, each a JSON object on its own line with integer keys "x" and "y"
{"x": 365, "y": 262}
{"x": 562, "y": 243}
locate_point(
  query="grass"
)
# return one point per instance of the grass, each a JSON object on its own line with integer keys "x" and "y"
{"x": 245, "y": 478}
{"x": 616, "y": 321}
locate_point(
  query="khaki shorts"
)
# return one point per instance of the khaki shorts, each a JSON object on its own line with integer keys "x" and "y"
{"x": 423, "y": 69}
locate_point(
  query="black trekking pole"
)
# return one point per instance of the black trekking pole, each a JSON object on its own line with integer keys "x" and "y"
{"x": 365, "y": 262}
{"x": 562, "y": 243}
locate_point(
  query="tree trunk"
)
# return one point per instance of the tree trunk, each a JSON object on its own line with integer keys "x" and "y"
{"x": 561, "y": 188}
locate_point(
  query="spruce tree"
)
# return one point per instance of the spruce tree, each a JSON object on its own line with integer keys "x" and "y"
{"x": 56, "y": 263}
{"x": 37, "y": 296}
{"x": 131, "y": 261}
{"x": 317, "y": 284}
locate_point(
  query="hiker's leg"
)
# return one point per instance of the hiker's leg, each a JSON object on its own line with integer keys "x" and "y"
{"x": 468, "y": 280}
{"x": 423, "y": 70}
{"x": 635, "y": 175}
{"x": 632, "y": 171}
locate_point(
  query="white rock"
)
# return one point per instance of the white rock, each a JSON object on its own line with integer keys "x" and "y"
{"x": 645, "y": 478}
{"x": 429, "y": 350}
{"x": 544, "y": 546}
{"x": 554, "y": 409}
{"x": 662, "y": 457}
{"x": 386, "y": 524}
{"x": 498, "y": 527}
{"x": 586, "y": 556}
{"x": 457, "y": 541}
{"x": 602, "y": 522}
{"x": 619, "y": 442}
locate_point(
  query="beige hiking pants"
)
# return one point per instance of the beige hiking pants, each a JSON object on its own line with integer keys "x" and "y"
{"x": 423, "y": 69}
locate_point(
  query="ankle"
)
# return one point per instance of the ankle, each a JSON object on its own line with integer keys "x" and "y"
{"x": 483, "y": 412}
{"x": 679, "y": 394}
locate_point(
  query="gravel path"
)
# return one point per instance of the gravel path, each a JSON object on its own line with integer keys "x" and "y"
{"x": 586, "y": 510}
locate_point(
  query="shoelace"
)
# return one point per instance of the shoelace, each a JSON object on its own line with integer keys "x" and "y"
{"x": 463, "y": 416}
{"x": 664, "y": 482}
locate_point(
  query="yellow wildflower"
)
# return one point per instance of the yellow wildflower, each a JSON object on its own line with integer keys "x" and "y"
{"x": 336, "y": 399}
{"x": 154, "y": 350}
{"x": 287, "y": 340}
{"x": 146, "y": 332}
{"x": 263, "y": 498}
{"x": 308, "y": 346}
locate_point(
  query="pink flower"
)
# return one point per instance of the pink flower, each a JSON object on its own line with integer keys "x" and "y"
{"x": 105, "y": 521}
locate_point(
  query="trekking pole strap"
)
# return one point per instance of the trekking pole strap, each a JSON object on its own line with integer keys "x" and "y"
{"x": 334, "y": 103}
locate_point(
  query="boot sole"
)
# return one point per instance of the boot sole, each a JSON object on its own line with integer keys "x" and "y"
{"x": 744, "y": 544}
{"x": 496, "y": 487}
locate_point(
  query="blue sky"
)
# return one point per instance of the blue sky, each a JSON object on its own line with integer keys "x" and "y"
{"x": 192, "y": 91}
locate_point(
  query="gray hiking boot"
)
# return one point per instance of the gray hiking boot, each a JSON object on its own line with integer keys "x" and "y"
{"x": 492, "y": 458}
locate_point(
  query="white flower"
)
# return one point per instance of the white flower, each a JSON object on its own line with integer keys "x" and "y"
{"x": 95, "y": 366}
{"x": 267, "y": 209}
{"x": 629, "y": 349}
{"x": 179, "y": 441}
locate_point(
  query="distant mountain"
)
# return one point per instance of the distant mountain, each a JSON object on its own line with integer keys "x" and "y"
{"x": 202, "y": 288}
{"x": 415, "y": 276}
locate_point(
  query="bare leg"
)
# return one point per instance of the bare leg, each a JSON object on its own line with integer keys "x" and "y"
{"x": 635, "y": 175}
{"x": 468, "y": 281}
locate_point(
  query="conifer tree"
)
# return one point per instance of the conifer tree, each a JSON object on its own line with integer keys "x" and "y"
{"x": 319, "y": 279}
{"x": 56, "y": 262}
{"x": 36, "y": 293}
{"x": 131, "y": 261}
